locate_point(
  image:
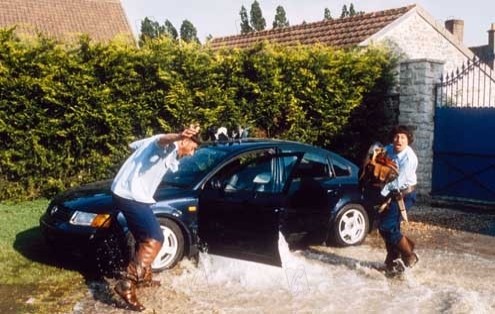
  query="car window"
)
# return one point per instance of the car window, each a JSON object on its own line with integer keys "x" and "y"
{"x": 249, "y": 172}
{"x": 194, "y": 168}
{"x": 340, "y": 169}
{"x": 312, "y": 166}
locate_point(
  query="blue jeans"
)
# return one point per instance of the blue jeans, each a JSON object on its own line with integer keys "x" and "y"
{"x": 140, "y": 219}
{"x": 389, "y": 220}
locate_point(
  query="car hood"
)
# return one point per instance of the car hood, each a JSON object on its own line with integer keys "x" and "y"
{"x": 97, "y": 197}
{"x": 93, "y": 197}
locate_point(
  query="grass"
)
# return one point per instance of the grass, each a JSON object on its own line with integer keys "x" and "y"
{"x": 32, "y": 278}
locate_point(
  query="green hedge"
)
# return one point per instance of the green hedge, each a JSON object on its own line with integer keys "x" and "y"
{"x": 67, "y": 112}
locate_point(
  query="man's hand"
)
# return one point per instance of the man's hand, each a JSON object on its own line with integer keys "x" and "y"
{"x": 192, "y": 130}
{"x": 396, "y": 195}
{"x": 169, "y": 138}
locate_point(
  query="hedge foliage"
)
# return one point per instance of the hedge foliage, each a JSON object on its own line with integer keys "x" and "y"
{"x": 67, "y": 112}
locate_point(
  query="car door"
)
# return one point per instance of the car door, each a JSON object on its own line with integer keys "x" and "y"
{"x": 239, "y": 208}
{"x": 312, "y": 192}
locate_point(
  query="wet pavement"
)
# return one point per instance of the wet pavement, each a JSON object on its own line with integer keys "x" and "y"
{"x": 456, "y": 274}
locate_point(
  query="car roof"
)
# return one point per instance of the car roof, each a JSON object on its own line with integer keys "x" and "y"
{"x": 246, "y": 144}
{"x": 253, "y": 143}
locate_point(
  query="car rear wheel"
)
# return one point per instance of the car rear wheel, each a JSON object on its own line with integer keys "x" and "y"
{"x": 172, "y": 250}
{"x": 351, "y": 225}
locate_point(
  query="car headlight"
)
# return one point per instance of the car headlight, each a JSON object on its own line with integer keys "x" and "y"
{"x": 90, "y": 219}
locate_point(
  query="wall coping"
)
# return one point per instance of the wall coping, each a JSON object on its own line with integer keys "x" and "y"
{"x": 423, "y": 60}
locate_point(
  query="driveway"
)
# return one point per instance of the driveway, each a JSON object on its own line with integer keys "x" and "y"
{"x": 455, "y": 275}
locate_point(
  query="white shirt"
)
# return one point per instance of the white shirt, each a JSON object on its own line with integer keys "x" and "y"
{"x": 143, "y": 171}
{"x": 408, "y": 163}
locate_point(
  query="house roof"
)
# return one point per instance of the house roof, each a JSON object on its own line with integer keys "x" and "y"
{"x": 102, "y": 20}
{"x": 343, "y": 32}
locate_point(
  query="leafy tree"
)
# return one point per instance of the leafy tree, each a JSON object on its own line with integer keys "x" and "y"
{"x": 257, "y": 20}
{"x": 188, "y": 32}
{"x": 170, "y": 29}
{"x": 245, "y": 27}
{"x": 280, "y": 19}
{"x": 345, "y": 12}
{"x": 352, "y": 12}
{"x": 327, "y": 15}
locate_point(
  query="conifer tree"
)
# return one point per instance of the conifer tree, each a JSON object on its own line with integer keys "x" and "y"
{"x": 327, "y": 16}
{"x": 352, "y": 12}
{"x": 170, "y": 29}
{"x": 345, "y": 12}
{"x": 257, "y": 20}
{"x": 245, "y": 27}
{"x": 149, "y": 29}
{"x": 188, "y": 32}
{"x": 280, "y": 19}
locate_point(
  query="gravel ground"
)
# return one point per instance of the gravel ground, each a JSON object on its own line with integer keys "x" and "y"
{"x": 464, "y": 230}
{"x": 460, "y": 231}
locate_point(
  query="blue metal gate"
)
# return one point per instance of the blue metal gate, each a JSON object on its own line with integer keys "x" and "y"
{"x": 464, "y": 155}
{"x": 464, "y": 143}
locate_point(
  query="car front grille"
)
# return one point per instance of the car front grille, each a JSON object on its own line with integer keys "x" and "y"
{"x": 60, "y": 213}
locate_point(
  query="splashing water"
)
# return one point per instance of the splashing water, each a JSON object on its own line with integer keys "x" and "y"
{"x": 343, "y": 280}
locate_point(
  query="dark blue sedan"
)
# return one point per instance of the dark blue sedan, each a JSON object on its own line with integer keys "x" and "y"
{"x": 232, "y": 198}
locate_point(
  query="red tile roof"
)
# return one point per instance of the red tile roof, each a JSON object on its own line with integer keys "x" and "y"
{"x": 344, "y": 32}
{"x": 102, "y": 20}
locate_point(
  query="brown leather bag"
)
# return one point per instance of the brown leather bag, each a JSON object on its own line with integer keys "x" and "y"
{"x": 378, "y": 169}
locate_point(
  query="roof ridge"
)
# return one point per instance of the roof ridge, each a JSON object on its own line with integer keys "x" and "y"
{"x": 354, "y": 18}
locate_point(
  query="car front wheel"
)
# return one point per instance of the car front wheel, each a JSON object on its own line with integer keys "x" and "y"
{"x": 351, "y": 225}
{"x": 172, "y": 250}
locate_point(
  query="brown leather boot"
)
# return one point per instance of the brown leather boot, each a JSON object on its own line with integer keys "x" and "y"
{"x": 145, "y": 255}
{"x": 406, "y": 247}
{"x": 126, "y": 289}
{"x": 138, "y": 273}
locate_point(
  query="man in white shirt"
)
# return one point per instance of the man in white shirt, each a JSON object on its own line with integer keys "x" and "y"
{"x": 399, "y": 247}
{"x": 133, "y": 189}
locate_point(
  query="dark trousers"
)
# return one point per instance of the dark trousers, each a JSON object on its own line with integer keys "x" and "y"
{"x": 389, "y": 220}
{"x": 140, "y": 219}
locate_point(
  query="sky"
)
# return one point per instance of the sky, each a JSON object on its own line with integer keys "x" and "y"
{"x": 221, "y": 17}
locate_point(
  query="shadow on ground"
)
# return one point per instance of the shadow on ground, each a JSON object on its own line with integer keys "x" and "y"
{"x": 31, "y": 244}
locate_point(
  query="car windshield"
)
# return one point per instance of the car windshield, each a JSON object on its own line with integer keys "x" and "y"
{"x": 194, "y": 168}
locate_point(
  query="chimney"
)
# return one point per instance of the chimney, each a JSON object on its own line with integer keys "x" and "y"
{"x": 456, "y": 27}
{"x": 491, "y": 44}
{"x": 491, "y": 38}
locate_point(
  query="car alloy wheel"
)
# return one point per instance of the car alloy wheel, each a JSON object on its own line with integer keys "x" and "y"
{"x": 351, "y": 225}
{"x": 172, "y": 249}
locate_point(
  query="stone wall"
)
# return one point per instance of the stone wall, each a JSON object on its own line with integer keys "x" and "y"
{"x": 417, "y": 110}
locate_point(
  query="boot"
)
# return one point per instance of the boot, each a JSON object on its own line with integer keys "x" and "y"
{"x": 138, "y": 273}
{"x": 126, "y": 289}
{"x": 145, "y": 255}
{"x": 406, "y": 247}
{"x": 390, "y": 260}
{"x": 392, "y": 255}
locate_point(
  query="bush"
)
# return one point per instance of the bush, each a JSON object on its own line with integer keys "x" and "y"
{"x": 67, "y": 112}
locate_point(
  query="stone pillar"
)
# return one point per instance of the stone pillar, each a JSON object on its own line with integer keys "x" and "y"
{"x": 417, "y": 110}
